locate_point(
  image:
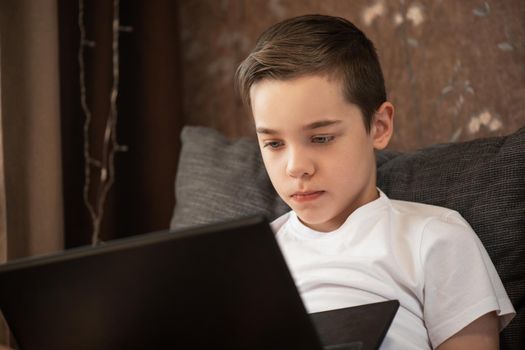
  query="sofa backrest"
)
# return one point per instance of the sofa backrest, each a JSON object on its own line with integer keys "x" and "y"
{"x": 220, "y": 179}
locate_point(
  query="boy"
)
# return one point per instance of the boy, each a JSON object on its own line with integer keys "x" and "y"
{"x": 317, "y": 95}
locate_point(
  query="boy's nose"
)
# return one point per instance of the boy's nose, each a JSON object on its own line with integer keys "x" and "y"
{"x": 299, "y": 166}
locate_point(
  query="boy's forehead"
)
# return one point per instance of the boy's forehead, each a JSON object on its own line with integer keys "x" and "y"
{"x": 331, "y": 78}
{"x": 300, "y": 103}
{"x": 303, "y": 88}
{"x": 311, "y": 90}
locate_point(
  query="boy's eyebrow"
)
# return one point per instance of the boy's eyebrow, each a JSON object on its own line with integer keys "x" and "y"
{"x": 321, "y": 124}
{"x": 261, "y": 130}
{"x": 311, "y": 126}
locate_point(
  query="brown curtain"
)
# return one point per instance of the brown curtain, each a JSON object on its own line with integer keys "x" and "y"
{"x": 149, "y": 114}
{"x": 30, "y": 133}
{"x": 41, "y": 130}
{"x": 31, "y": 220}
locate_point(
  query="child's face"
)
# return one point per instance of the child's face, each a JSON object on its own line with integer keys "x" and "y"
{"x": 315, "y": 147}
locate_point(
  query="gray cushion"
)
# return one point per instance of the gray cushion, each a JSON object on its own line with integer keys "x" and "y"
{"x": 484, "y": 179}
{"x": 218, "y": 179}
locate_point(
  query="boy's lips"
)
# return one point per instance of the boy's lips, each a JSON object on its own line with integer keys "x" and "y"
{"x": 306, "y": 196}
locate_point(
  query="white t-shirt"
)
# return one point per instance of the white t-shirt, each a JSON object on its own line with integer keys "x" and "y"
{"x": 427, "y": 257}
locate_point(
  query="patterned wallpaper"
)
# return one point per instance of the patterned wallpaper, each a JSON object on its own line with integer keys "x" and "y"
{"x": 455, "y": 70}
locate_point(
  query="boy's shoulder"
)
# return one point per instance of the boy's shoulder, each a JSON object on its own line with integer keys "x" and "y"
{"x": 426, "y": 218}
{"x": 422, "y": 211}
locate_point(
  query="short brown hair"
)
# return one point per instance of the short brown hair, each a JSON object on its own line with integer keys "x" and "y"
{"x": 317, "y": 44}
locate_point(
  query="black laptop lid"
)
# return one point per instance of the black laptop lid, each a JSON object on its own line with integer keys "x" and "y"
{"x": 223, "y": 286}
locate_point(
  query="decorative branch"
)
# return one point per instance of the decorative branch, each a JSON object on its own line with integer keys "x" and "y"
{"x": 106, "y": 164}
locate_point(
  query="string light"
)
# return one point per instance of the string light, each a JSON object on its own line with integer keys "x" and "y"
{"x": 106, "y": 164}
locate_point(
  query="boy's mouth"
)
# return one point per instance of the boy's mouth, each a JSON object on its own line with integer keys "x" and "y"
{"x": 306, "y": 196}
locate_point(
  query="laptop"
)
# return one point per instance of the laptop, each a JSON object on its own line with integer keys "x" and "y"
{"x": 221, "y": 286}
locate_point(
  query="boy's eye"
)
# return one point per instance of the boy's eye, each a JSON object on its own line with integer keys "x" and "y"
{"x": 323, "y": 139}
{"x": 273, "y": 144}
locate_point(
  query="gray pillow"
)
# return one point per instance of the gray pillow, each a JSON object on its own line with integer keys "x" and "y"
{"x": 484, "y": 180}
{"x": 218, "y": 179}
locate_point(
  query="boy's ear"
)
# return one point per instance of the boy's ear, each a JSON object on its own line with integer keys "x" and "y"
{"x": 382, "y": 125}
